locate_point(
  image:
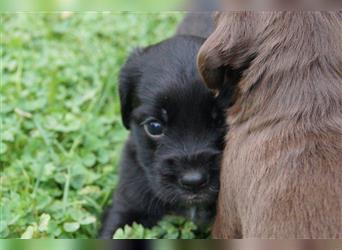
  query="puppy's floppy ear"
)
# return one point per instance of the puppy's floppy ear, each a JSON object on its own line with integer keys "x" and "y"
{"x": 129, "y": 78}
{"x": 228, "y": 50}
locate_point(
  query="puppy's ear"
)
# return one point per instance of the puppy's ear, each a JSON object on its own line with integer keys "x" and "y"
{"x": 129, "y": 78}
{"x": 228, "y": 50}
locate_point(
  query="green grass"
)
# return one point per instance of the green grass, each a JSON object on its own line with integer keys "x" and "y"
{"x": 61, "y": 131}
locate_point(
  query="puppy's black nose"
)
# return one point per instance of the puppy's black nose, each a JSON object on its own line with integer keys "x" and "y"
{"x": 193, "y": 180}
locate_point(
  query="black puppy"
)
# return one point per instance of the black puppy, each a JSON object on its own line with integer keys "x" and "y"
{"x": 170, "y": 164}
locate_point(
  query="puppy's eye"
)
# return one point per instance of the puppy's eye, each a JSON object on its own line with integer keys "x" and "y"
{"x": 154, "y": 128}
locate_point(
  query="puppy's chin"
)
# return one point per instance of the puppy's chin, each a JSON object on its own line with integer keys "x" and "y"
{"x": 194, "y": 200}
{"x": 197, "y": 200}
{"x": 175, "y": 196}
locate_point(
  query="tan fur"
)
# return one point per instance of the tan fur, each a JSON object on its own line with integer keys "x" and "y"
{"x": 282, "y": 170}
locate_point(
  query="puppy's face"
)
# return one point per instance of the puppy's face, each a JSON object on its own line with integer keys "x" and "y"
{"x": 175, "y": 122}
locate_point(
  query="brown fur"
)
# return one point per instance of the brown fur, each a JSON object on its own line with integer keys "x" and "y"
{"x": 282, "y": 170}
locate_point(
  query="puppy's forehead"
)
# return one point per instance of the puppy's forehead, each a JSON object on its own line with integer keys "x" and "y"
{"x": 185, "y": 100}
{"x": 170, "y": 79}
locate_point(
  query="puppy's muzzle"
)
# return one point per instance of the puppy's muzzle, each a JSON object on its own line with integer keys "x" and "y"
{"x": 193, "y": 170}
{"x": 193, "y": 180}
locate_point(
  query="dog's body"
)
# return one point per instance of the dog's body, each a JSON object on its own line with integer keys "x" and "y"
{"x": 171, "y": 159}
{"x": 282, "y": 168}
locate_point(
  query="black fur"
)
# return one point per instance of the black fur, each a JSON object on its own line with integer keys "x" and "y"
{"x": 162, "y": 81}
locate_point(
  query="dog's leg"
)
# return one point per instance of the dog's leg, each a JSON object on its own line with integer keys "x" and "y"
{"x": 113, "y": 220}
{"x": 129, "y": 205}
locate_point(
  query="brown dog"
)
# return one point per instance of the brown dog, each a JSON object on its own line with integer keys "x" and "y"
{"x": 282, "y": 169}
